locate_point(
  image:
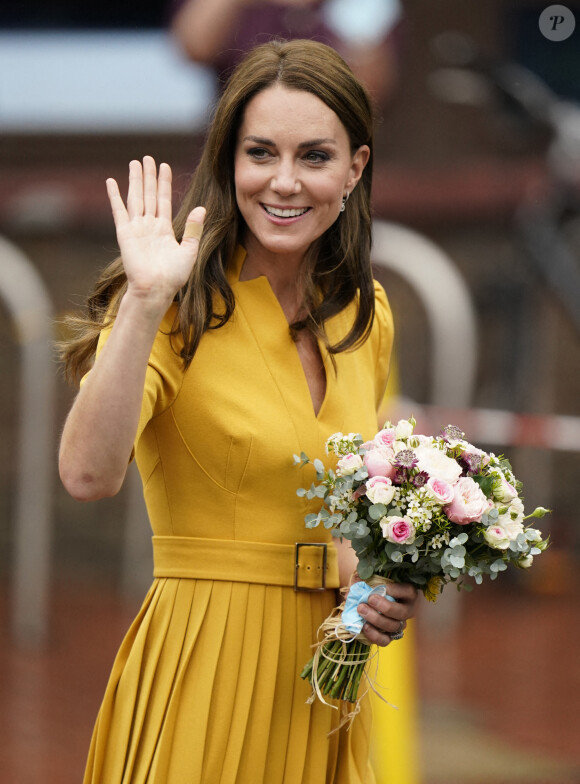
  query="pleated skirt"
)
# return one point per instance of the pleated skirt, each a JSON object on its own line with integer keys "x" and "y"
{"x": 205, "y": 689}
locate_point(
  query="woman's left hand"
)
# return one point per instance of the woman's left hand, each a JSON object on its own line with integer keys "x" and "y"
{"x": 385, "y": 619}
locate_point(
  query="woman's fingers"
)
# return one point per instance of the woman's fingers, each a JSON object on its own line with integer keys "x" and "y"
{"x": 120, "y": 215}
{"x": 194, "y": 225}
{"x": 164, "y": 208}
{"x": 403, "y": 592}
{"x": 135, "y": 192}
{"x": 385, "y": 618}
{"x": 149, "y": 186}
{"x": 144, "y": 191}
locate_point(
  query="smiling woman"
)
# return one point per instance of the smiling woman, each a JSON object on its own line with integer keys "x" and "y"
{"x": 213, "y": 360}
{"x": 293, "y": 167}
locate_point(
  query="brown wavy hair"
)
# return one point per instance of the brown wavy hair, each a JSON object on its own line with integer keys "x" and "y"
{"x": 337, "y": 267}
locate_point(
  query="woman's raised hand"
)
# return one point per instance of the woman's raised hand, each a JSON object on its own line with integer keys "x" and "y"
{"x": 156, "y": 265}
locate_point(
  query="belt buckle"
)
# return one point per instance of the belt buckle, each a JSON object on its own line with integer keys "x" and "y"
{"x": 298, "y": 545}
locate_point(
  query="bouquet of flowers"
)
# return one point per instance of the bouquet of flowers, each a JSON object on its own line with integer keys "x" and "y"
{"x": 425, "y": 510}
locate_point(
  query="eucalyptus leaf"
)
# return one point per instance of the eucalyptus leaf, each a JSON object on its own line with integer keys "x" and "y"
{"x": 318, "y": 466}
{"x": 364, "y": 570}
{"x": 376, "y": 511}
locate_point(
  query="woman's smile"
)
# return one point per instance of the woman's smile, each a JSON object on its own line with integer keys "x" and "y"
{"x": 284, "y": 215}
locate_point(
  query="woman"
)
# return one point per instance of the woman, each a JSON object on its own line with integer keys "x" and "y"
{"x": 218, "y": 359}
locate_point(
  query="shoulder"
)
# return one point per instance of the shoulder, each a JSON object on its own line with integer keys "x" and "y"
{"x": 383, "y": 314}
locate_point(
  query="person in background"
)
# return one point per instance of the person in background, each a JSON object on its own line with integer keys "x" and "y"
{"x": 365, "y": 33}
{"x": 217, "y": 346}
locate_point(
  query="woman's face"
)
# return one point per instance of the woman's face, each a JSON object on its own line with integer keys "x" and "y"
{"x": 293, "y": 165}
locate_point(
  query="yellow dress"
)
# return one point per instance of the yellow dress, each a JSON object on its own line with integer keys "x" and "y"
{"x": 205, "y": 688}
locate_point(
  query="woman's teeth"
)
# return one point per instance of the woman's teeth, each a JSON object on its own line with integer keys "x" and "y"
{"x": 294, "y": 213}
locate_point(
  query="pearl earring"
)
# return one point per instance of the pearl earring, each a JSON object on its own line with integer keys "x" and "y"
{"x": 344, "y": 201}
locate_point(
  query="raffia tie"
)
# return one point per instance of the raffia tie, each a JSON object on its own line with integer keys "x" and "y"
{"x": 333, "y": 629}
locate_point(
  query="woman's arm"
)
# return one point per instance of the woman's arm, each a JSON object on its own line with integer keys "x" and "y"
{"x": 203, "y": 27}
{"x": 99, "y": 432}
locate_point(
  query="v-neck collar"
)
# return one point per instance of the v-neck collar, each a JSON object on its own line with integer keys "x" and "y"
{"x": 269, "y": 325}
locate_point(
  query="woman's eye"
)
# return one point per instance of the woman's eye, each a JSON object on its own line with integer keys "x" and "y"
{"x": 316, "y": 156}
{"x": 258, "y": 152}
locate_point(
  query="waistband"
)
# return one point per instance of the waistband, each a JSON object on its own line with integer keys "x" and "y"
{"x": 305, "y": 566}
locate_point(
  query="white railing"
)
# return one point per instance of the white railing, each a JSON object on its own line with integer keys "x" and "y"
{"x": 28, "y": 302}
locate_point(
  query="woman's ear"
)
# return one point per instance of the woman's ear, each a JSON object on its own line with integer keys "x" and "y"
{"x": 359, "y": 161}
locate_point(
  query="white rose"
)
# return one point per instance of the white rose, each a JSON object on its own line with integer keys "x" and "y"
{"x": 380, "y": 490}
{"x": 349, "y": 464}
{"x": 526, "y": 561}
{"x": 503, "y": 491}
{"x": 513, "y": 519}
{"x": 497, "y": 537}
{"x": 511, "y": 527}
{"x": 437, "y": 464}
{"x": 403, "y": 429}
{"x": 400, "y": 446}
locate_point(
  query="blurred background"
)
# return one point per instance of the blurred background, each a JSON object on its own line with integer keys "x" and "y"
{"x": 476, "y": 204}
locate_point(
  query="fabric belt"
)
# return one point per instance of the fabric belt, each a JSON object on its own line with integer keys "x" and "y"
{"x": 305, "y": 566}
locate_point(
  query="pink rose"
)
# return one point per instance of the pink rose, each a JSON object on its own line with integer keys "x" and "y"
{"x": 441, "y": 490}
{"x": 378, "y": 462}
{"x": 385, "y": 437}
{"x": 380, "y": 490}
{"x": 398, "y": 530}
{"x": 468, "y": 504}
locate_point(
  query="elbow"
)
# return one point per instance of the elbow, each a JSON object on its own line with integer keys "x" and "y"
{"x": 83, "y": 486}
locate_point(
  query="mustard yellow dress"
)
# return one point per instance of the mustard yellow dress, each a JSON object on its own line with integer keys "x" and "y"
{"x": 205, "y": 688}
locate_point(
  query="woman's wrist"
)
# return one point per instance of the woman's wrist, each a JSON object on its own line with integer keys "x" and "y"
{"x": 147, "y": 306}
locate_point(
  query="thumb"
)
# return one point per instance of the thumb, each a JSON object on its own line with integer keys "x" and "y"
{"x": 194, "y": 225}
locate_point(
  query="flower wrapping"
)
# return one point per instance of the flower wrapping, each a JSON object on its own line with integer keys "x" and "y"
{"x": 426, "y": 510}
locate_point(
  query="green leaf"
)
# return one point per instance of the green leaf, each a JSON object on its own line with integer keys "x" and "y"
{"x": 376, "y": 511}
{"x": 485, "y": 483}
{"x": 364, "y": 569}
{"x": 301, "y": 492}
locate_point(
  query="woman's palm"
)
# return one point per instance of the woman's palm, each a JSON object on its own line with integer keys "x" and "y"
{"x": 154, "y": 262}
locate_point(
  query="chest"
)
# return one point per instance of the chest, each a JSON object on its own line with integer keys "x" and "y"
{"x": 313, "y": 368}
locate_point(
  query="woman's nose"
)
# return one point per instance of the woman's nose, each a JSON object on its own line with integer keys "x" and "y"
{"x": 285, "y": 180}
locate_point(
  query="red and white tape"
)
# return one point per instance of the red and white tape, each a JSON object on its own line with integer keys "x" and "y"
{"x": 495, "y": 427}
